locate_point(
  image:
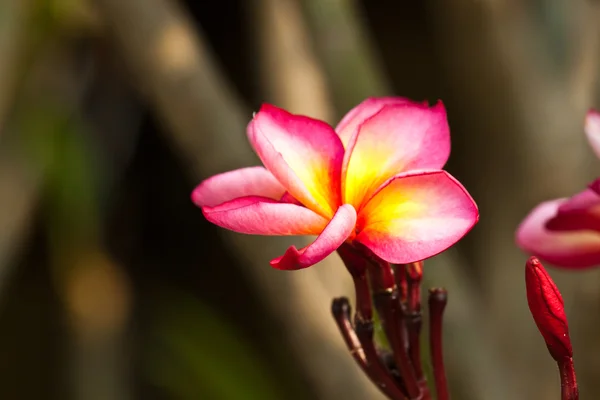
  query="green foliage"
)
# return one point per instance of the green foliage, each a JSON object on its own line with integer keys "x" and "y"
{"x": 56, "y": 142}
{"x": 195, "y": 354}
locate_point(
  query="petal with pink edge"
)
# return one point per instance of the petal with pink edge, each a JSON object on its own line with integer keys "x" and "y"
{"x": 595, "y": 186}
{"x": 572, "y": 249}
{"x": 365, "y": 110}
{"x": 288, "y": 198}
{"x": 263, "y": 216}
{"x": 592, "y": 130}
{"x": 398, "y": 138}
{"x": 415, "y": 216}
{"x": 581, "y": 211}
{"x": 332, "y": 237}
{"x": 251, "y": 181}
{"x": 304, "y": 154}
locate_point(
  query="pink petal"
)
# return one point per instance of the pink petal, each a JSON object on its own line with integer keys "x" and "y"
{"x": 592, "y": 130}
{"x": 398, "y": 138}
{"x": 581, "y": 211}
{"x": 251, "y": 181}
{"x": 595, "y": 186}
{"x": 415, "y": 216}
{"x": 575, "y": 249}
{"x": 332, "y": 237}
{"x": 304, "y": 154}
{"x": 263, "y": 216}
{"x": 288, "y": 198}
{"x": 361, "y": 112}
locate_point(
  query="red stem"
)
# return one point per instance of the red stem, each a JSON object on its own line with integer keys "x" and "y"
{"x": 357, "y": 265}
{"x": 437, "y": 302}
{"x": 568, "y": 380}
{"x": 340, "y": 308}
{"x": 393, "y": 319}
{"x": 401, "y": 283}
{"x": 376, "y": 369}
{"x": 414, "y": 275}
{"x": 378, "y": 374}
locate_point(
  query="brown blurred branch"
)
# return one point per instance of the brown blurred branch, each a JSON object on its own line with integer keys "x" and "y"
{"x": 290, "y": 72}
{"x": 174, "y": 69}
{"x": 582, "y": 79}
{"x": 13, "y": 17}
{"x": 206, "y": 122}
{"x": 346, "y": 51}
{"x": 18, "y": 186}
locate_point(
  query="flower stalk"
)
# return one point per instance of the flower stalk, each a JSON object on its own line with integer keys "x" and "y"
{"x": 414, "y": 276}
{"x": 363, "y": 330}
{"x": 438, "y": 298}
{"x": 396, "y": 294}
{"x": 393, "y": 317}
{"x": 568, "y": 381}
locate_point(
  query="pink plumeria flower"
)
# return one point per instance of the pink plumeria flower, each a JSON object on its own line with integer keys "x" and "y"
{"x": 566, "y": 232}
{"x": 376, "y": 180}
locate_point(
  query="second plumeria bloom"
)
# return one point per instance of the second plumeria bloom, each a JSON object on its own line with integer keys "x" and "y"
{"x": 566, "y": 232}
{"x": 375, "y": 179}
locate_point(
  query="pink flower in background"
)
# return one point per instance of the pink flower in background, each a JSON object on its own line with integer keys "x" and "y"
{"x": 376, "y": 180}
{"x": 566, "y": 232}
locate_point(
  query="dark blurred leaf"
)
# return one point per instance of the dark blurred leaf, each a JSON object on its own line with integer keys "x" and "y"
{"x": 55, "y": 141}
{"x": 197, "y": 355}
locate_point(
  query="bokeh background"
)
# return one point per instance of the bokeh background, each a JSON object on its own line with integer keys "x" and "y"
{"x": 114, "y": 287}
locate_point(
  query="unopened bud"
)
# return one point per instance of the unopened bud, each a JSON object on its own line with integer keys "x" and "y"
{"x": 547, "y": 307}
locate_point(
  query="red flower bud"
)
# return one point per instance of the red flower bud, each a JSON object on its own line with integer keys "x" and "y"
{"x": 547, "y": 307}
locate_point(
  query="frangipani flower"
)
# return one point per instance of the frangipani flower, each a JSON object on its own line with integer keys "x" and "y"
{"x": 566, "y": 232}
{"x": 376, "y": 180}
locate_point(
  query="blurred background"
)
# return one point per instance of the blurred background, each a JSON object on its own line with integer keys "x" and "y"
{"x": 114, "y": 287}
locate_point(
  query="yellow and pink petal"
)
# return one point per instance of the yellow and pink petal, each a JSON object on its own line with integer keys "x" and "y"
{"x": 565, "y": 248}
{"x": 415, "y": 216}
{"x": 304, "y": 154}
{"x": 359, "y": 114}
{"x": 339, "y": 229}
{"x": 263, "y": 216}
{"x": 398, "y": 138}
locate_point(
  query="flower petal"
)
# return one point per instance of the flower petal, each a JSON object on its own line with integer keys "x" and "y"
{"x": 288, "y": 198}
{"x": 575, "y": 249}
{"x": 263, "y": 216}
{"x": 398, "y": 138}
{"x": 592, "y": 130}
{"x": 595, "y": 186}
{"x": 581, "y": 211}
{"x": 304, "y": 154}
{"x": 415, "y": 216}
{"x": 332, "y": 237}
{"x": 361, "y": 112}
{"x": 251, "y": 181}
